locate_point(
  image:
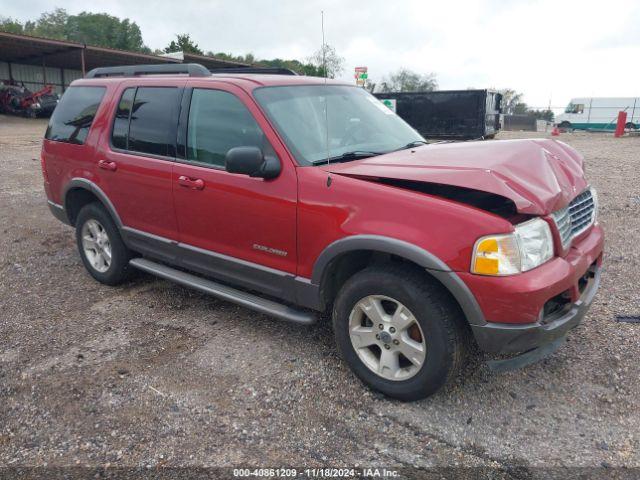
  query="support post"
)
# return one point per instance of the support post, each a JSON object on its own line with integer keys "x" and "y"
{"x": 10, "y": 72}
{"x": 82, "y": 61}
{"x": 62, "y": 79}
{"x": 44, "y": 72}
{"x": 622, "y": 120}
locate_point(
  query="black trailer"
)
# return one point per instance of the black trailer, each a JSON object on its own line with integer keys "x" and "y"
{"x": 462, "y": 114}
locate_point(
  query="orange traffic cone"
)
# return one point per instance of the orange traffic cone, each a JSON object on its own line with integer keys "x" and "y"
{"x": 555, "y": 132}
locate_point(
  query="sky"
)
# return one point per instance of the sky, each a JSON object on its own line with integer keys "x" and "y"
{"x": 549, "y": 50}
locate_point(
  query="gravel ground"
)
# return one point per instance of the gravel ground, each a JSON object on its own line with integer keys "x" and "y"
{"x": 150, "y": 374}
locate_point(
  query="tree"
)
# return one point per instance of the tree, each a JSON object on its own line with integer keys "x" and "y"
{"x": 509, "y": 100}
{"x": 183, "y": 44}
{"x": 405, "y": 80}
{"x": 295, "y": 65}
{"x": 520, "y": 108}
{"x": 92, "y": 28}
{"x": 10, "y": 25}
{"x": 327, "y": 62}
{"x": 104, "y": 30}
{"x": 545, "y": 114}
{"x": 248, "y": 58}
{"x": 300, "y": 68}
{"x": 50, "y": 25}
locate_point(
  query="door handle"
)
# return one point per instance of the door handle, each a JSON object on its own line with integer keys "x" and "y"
{"x": 193, "y": 183}
{"x": 107, "y": 165}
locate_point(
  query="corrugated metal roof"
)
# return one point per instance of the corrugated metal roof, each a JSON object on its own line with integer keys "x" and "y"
{"x": 32, "y": 50}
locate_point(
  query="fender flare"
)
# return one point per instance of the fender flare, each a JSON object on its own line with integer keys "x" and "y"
{"x": 430, "y": 262}
{"x": 85, "y": 184}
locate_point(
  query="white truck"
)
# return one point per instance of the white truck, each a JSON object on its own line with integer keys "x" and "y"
{"x": 599, "y": 113}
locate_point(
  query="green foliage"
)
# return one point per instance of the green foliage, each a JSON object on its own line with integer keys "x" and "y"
{"x": 545, "y": 114}
{"x": 50, "y": 25}
{"x": 295, "y": 65}
{"x": 104, "y": 30}
{"x": 520, "y": 108}
{"x": 92, "y": 28}
{"x": 10, "y": 25}
{"x": 405, "y": 80}
{"x": 183, "y": 44}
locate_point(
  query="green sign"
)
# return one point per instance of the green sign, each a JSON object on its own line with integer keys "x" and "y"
{"x": 390, "y": 103}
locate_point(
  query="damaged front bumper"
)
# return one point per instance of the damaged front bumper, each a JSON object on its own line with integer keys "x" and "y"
{"x": 537, "y": 340}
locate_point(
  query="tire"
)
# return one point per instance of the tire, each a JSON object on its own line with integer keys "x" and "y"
{"x": 441, "y": 331}
{"x": 631, "y": 126}
{"x": 565, "y": 125}
{"x": 94, "y": 218}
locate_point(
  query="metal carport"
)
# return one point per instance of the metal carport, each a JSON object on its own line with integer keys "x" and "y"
{"x": 37, "y": 61}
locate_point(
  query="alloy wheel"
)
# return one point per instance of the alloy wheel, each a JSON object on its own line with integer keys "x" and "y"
{"x": 387, "y": 337}
{"x": 96, "y": 245}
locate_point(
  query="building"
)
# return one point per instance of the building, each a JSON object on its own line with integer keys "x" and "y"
{"x": 37, "y": 61}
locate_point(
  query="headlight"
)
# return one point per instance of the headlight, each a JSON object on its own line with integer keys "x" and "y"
{"x": 529, "y": 246}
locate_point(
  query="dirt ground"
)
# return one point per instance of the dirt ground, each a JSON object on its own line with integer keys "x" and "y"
{"x": 151, "y": 374}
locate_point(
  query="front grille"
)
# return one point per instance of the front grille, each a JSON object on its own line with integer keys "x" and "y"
{"x": 576, "y": 217}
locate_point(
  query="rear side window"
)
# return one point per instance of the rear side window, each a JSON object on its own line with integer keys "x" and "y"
{"x": 74, "y": 115}
{"x": 120, "y": 133}
{"x": 152, "y": 120}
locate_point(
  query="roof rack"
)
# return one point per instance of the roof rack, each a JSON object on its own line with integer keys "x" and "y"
{"x": 259, "y": 70}
{"x": 192, "y": 69}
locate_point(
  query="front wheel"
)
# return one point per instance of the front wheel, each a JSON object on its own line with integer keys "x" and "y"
{"x": 103, "y": 253}
{"x": 399, "y": 331}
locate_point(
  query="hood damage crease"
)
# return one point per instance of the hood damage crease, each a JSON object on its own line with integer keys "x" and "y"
{"x": 489, "y": 202}
{"x": 537, "y": 176}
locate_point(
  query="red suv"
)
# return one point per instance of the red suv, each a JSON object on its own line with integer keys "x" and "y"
{"x": 296, "y": 195}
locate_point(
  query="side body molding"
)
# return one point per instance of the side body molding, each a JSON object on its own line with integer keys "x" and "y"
{"x": 306, "y": 292}
{"x": 413, "y": 253}
{"x": 97, "y": 191}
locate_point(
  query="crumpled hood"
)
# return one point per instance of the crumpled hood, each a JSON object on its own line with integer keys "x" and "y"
{"x": 538, "y": 175}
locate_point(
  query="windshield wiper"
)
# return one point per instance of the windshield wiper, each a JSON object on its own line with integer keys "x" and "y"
{"x": 345, "y": 157}
{"x": 415, "y": 143}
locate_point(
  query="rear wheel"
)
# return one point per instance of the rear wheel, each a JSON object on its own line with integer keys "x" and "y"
{"x": 399, "y": 332}
{"x": 631, "y": 126}
{"x": 104, "y": 254}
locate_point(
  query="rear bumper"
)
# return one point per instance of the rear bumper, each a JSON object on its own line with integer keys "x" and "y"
{"x": 514, "y": 338}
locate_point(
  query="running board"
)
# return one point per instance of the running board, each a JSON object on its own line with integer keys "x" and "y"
{"x": 224, "y": 292}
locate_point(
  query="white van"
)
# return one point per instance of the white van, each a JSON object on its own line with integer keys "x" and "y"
{"x": 599, "y": 113}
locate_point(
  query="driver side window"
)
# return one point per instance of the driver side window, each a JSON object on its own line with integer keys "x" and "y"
{"x": 575, "y": 108}
{"x": 218, "y": 122}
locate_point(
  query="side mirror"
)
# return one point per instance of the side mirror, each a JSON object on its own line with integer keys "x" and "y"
{"x": 251, "y": 161}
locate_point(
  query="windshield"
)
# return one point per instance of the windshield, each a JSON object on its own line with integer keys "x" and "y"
{"x": 357, "y": 122}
